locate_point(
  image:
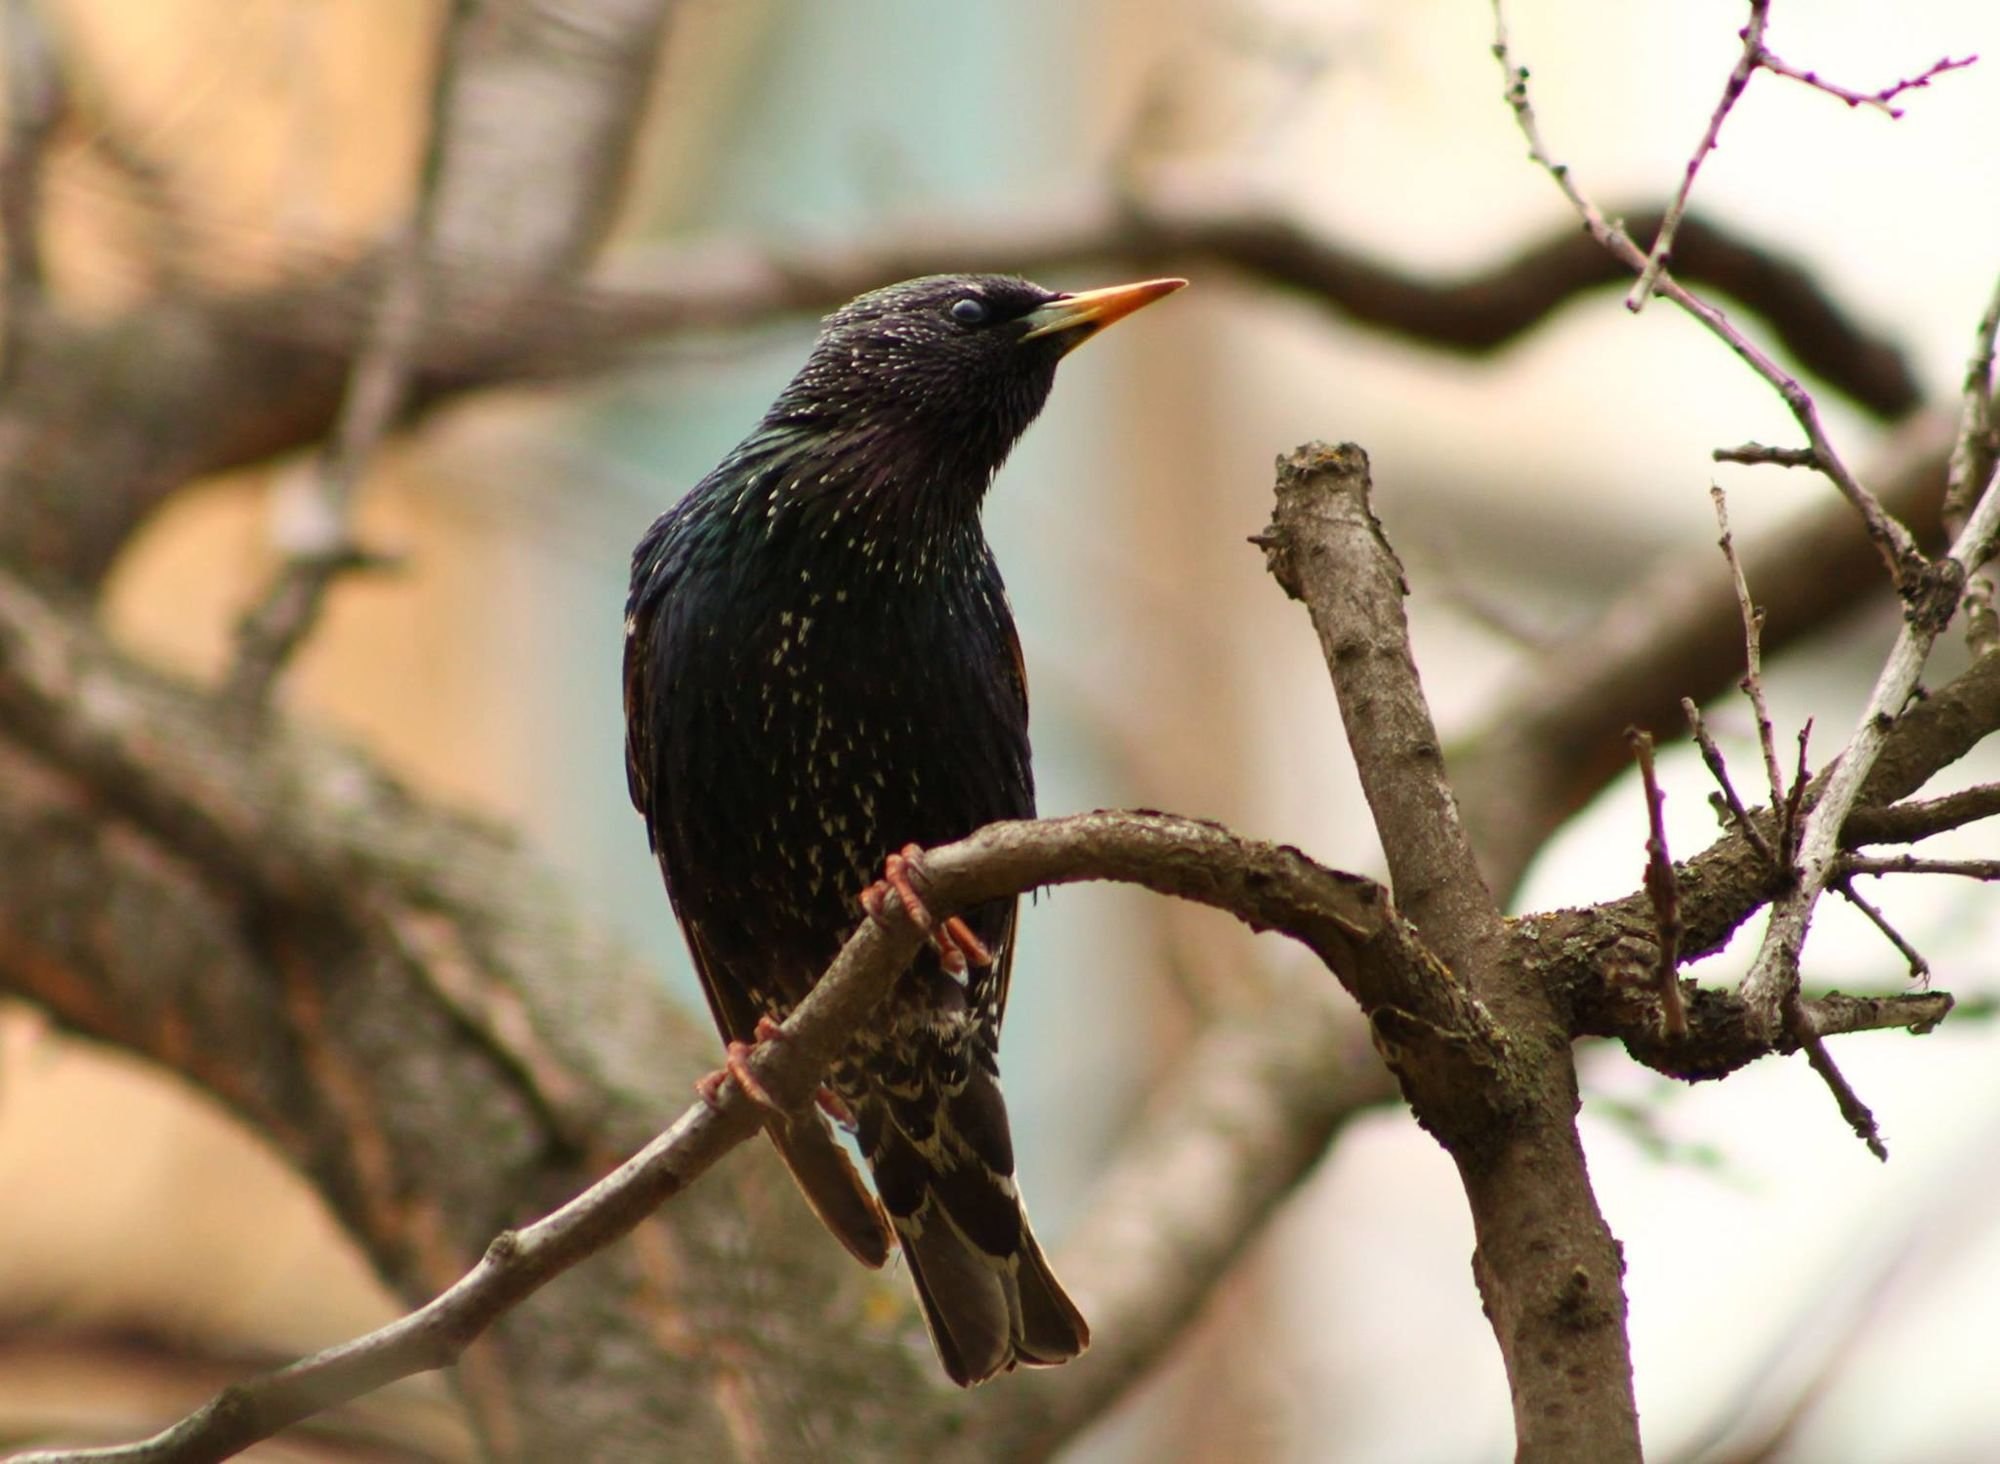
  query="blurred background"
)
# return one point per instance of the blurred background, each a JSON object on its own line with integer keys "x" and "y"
{"x": 1790, "y": 1297}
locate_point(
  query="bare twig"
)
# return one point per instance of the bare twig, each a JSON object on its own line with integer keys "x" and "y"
{"x": 1739, "y": 78}
{"x": 1880, "y": 100}
{"x": 378, "y": 385}
{"x": 1774, "y": 974}
{"x": 1795, "y": 797}
{"x": 1920, "y": 969}
{"x": 1836, "y": 1013}
{"x": 1756, "y": 56}
{"x": 1912, "y": 864}
{"x": 1753, "y": 655}
{"x": 1898, "y": 549}
{"x": 1932, "y": 591}
{"x": 1719, "y": 770}
{"x": 1972, "y": 460}
{"x": 1857, "y": 1113}
{"x": 1664, "y": 891}
{"x": 1757, "y": 452}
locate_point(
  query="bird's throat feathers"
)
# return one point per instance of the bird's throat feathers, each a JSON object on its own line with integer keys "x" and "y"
{"x": 879, "y": 491}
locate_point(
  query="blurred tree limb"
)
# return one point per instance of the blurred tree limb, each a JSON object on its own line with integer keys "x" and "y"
{"x": 283, "y": 355}
{"x": 421, "y": 1023}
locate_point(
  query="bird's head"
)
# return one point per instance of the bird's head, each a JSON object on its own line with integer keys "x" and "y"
{"x": 949, "y": 370}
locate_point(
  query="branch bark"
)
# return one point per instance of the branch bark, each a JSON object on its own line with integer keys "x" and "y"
{"x": 1495, "y": 1082}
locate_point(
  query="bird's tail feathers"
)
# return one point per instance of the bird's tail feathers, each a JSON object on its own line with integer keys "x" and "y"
{"x": 944, "y": 1169}
{"x": 832, "y": 1186}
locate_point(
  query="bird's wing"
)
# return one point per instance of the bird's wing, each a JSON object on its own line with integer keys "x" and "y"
{"x": 825, "y": 1175}
{"x": 1003, "y": 973}
{"x": 735, "y": 1014}
{"x": 638, "y": 713}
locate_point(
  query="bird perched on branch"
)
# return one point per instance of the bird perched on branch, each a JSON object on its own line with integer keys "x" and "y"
{"x": 821, "y": 675}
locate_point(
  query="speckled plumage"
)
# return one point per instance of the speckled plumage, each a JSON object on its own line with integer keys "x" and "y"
{"x": 820, "y": 668}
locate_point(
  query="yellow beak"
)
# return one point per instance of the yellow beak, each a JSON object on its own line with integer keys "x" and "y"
{"x": 1081, "y": 316}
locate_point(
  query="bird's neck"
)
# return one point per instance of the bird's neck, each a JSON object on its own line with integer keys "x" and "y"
{"x": 877, "y": 500}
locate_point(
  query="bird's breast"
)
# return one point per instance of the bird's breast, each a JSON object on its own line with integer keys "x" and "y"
{"x": 815, "y": 723}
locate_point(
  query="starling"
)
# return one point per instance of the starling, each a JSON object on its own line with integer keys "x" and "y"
{"x": 822, "y": 671}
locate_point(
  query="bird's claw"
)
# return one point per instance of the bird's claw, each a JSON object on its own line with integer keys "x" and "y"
{"x": 957, "y": 946}
{"x": 735, "y": 1064}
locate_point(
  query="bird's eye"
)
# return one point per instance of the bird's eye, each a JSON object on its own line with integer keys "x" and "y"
{"x": 969, "y": 311}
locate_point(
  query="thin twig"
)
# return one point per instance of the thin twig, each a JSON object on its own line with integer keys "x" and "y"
{"x": 1972, "y": 460}
{"x": 1912, "y": 864}
{"x": 1739, "y": 78}
{"x": 1753, "y": 57}
{"x": 1664, "y": 891}
{"x": 1795, "y": 797}
{"x": 1757, "y": 452}
{"x": 1857, "y": 1113}
{"x": 1719, "y": 770}
{"x": 1899, "y": 551}
{"x": 1920, "y": 969}
{"x": 1774, "y": 973}
{"x": 271, "y": 631}
{"x": 1753, "y": 655}
{"x": 1878, "y": 99}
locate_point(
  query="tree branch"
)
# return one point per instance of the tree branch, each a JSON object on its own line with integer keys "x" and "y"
{"x": 1493, "y": 1079}
{"x": 378, "y": 384}
{"x": 1557, "y": 736}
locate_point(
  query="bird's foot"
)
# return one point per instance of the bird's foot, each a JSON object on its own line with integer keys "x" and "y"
{"x": 957, "y": 946}
{"x": 735, "y": 1064}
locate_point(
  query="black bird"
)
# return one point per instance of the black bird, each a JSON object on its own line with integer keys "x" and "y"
{"x": 821, "y": 669}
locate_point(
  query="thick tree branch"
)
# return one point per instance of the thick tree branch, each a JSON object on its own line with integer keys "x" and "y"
{"x": 1266, "y": 1110}
{"x": 107, "y": 419}
{"x": 1495, "y": 1083}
